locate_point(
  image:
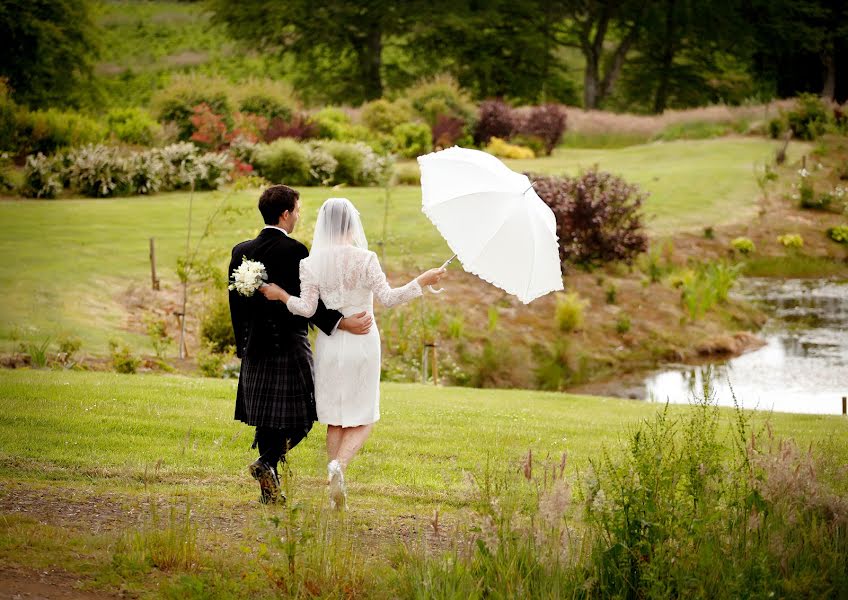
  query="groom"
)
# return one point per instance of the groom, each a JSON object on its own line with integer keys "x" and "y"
{"x": 275, "y": 388}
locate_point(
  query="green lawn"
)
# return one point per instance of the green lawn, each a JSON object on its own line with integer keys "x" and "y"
{"x": 73, "y": 260}
{"x": 107, "y": 430}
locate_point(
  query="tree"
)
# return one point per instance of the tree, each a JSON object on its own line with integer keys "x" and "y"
{"x": 330, "y": 32}
{"x": 47, "y": 50}
{"x": 592, "y": 26}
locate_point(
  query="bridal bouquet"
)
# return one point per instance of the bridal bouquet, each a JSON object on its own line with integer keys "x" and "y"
{"x": 248, "y": 277}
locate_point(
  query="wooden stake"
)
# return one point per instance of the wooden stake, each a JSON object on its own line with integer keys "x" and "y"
{"x": 435, "y": 366}
{"x": 154, "y": 279}
{"x": 844, "y": 405}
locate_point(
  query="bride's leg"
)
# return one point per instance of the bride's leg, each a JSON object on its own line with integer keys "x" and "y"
{"x": 334, "y": 441}
{"x": 352, "y": 440}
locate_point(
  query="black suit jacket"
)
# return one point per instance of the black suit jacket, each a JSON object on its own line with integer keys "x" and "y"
{"x": 264, "y": 327}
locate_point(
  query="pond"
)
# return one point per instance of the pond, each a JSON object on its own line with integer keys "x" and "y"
{"x": 803, "y": 367}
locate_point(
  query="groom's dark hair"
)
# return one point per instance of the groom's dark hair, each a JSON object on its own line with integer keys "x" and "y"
{"x": 276, "y": 200}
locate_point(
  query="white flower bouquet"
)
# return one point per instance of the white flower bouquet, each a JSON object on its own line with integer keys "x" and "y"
{"x": 248, "y": 277}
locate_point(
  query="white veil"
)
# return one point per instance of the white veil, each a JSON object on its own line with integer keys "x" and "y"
{"x": 338, "y": 226}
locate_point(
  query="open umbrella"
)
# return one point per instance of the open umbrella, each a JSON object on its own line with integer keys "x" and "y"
{"x": 493, "y": 220}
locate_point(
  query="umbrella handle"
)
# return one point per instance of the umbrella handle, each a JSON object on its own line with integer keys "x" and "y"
{"x": 444, "y": 266}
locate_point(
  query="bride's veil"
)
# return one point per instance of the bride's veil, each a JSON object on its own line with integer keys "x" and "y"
{"x": 338, "y": 225}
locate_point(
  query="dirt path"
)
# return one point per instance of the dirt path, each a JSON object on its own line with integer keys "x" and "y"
{"x": 19, "y": 584}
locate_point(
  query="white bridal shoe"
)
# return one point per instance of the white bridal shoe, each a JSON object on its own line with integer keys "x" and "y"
{"x": 335, "y": 478}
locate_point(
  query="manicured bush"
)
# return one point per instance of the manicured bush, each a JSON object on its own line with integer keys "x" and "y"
{"x": 743, "y": 245}
{"x": 132, "y": 126}
{"x": 383, "y": 116}
{"x": 210, "y": 129}
{"x": 412, "y": 139}
{"x": 99, "y": 172}
{"x": 268, "y": 98}
{"x": 810, "y": 117}
{"x": 546, "y": 122}
{"x": 537, "y": 145}
{"x": 495, "y": 119}
{"x": 504, "y": 149}
{"x": 42, "y": 177}
{"x": 358, "y": 164}
{"x": 569, "y": 311}
{"x": 408, "y": 175}
{"x": 441, "y": 95}
{"x": 599, "y": 216}
{"x": 248, "y": 126}
{"x": 283, "y": 161}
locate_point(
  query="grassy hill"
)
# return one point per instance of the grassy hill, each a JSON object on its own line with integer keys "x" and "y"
{"x": 78, "y": 262}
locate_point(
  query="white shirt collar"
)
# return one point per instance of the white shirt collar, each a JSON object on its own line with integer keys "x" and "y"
{"x": 277, "y": 228}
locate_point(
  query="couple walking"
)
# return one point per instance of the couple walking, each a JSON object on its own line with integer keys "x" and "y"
{"x": 280, "y": 392}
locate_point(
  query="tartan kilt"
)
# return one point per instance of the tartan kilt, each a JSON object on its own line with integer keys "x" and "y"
{"x": 278, "y": 391}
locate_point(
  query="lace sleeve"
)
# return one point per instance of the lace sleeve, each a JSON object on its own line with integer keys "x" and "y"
{"x": 307, "y": 303}
{"x": 376, "y": 280}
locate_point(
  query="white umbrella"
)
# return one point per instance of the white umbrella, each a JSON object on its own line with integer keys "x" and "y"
{"x": 493, "y": 220}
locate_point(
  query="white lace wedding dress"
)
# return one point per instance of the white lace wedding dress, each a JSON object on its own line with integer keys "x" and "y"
{"x": 347, "y": 366}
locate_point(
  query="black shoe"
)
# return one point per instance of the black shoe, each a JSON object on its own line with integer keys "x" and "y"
{"x": 269, "y": 483}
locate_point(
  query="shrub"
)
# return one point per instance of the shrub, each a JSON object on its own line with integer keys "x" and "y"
{"x": 299, "y": 127}
{"x": 705, "y": 286}
{"x": 210, "y": 130}
{"x": 441, "y": 95}
{"x": 146, "y": 172}
{"x": 383, "y": 116}
{"x": 412, "y": 139}
{"x": 838, "y": 234}
{"x": 50, "y": 130}
{"x": 322, "y": 165}
{"x": 694, "y": 130}
{"x": 183, "y": 164}
{"x": 9, "y": 112}
{"x": 283, "y": 161}
{"x": 810, "y": 117}
{"x": 332, "y": 122}
{"x": 622, "y": 324}
{"x": 357, "y": 164}
{"x": 216, "y": 329}
{"x": 569, "y": 311}
{"x": 99, "y": 172}
{"x": 132, "y": 126}
{"x": 176, "y": 102}
{"x": 6, "y": 183}
{"x": 122, "y": 358}
{"x": 449, "y": 131}
{"x": 536, "y": 144}
{"x": 243, "y": 150}
{"x": 546, "y": 122}
{"x": 777, "y": 126}
{"x": 599, "y": 216}
{"x": 611, "y": 294}
{"x": 408, "y": 175}
{"x": 743, "y": 246}
{"x": 504, "y": 149}
{"x": 42, "y": 178}
{"x": 495, "y": 119}
{"x": 791, "y": 240}
{"x": 248, "y": 127}
{"x": 211, "y": 170}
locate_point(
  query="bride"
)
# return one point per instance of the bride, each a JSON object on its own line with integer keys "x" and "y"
{"x": 346, "y": 276}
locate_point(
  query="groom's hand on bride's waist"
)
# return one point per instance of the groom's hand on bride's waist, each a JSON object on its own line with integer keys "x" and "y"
{"x": 358, "y": 324}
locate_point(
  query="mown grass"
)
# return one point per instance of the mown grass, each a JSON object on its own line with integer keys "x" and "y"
{"x": 75, "y": 259}
{"x": 165, "y": 451}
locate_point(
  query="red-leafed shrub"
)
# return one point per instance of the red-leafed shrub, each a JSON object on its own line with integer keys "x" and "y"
{"x": 546, "y": 122}
{"x": 496, "y": 119}
{"x": 299, "y": 127}
{"x": 598, "y": 215}
{"x": 447, "y": 131}
{"x": 210, "y": 129}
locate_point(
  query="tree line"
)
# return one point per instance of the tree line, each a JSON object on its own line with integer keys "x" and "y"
{"x": 643, "y": 55}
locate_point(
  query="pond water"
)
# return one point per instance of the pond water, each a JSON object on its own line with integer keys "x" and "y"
{"x": 803, "y": 368}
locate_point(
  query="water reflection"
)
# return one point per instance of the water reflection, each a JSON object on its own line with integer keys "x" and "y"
{"x": 802, "y": 368}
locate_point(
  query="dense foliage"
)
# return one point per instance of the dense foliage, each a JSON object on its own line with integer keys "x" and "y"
{"x": 598, "y": 216}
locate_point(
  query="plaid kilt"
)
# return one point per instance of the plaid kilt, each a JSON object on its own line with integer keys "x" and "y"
{"x": 278, "y": 391}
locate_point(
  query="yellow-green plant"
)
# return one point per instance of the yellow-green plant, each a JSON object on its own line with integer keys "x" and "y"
{"x": 743, "y": 246}
{"x": 791, "y": 240}
{"x": 504, "y": 149}
{"x": 569, "y": 311}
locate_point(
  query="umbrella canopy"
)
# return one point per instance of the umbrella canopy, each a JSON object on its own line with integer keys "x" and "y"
{"x": 493, "y": 220}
